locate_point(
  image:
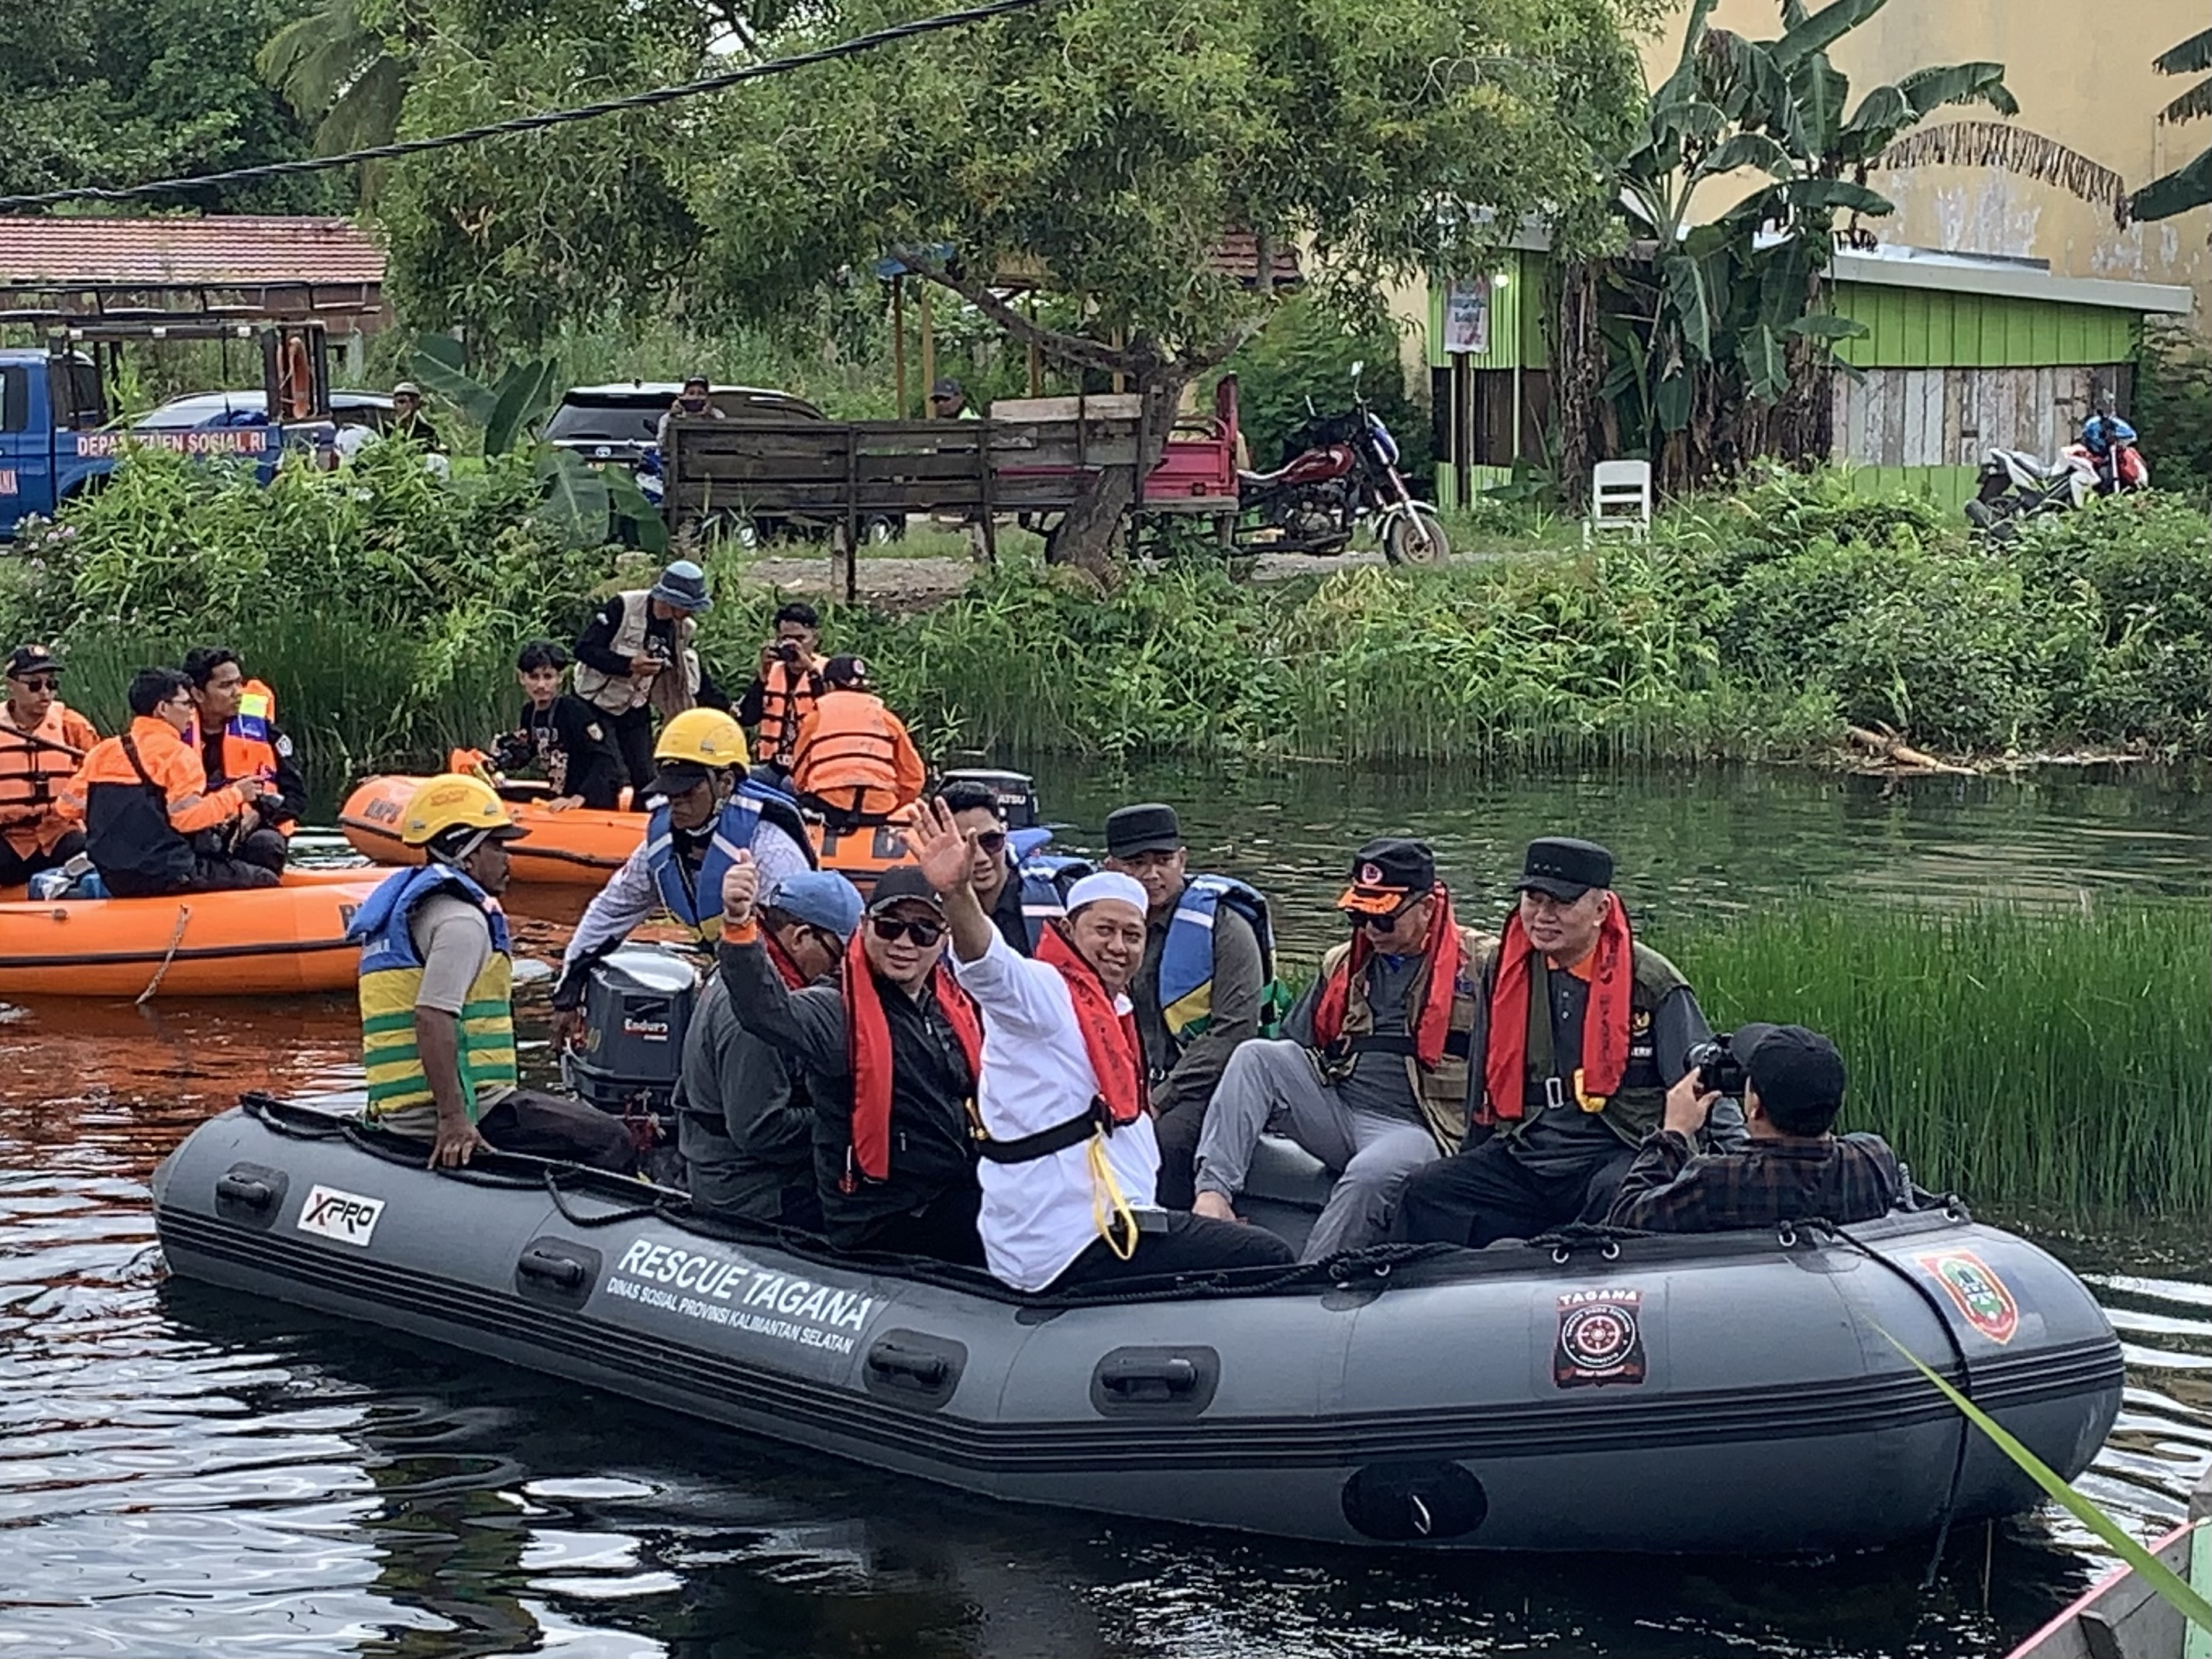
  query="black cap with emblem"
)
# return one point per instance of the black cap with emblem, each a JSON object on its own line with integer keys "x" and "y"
{"x": 1386, "y": 874}
{"x": 1564, "y": 868}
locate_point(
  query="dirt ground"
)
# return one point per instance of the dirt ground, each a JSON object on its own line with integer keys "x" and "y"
{"x": 910, "y": 583}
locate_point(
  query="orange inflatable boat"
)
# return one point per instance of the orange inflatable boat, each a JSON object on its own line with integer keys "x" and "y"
{"x": 581, "y": 848}
{"x": 275, "y": 941}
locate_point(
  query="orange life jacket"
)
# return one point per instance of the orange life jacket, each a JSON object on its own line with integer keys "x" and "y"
{"x": 32, "y": 775}
{"x": 788, "y": 694}
{"x": 868, "y": 1043}
{"x": 1116, "y": 1053}
{"x": 854, "y": 753}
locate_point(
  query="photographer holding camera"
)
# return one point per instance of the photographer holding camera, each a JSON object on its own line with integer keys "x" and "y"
{"x": 1791, "y": 1082}
{"x": 786, "y": 685}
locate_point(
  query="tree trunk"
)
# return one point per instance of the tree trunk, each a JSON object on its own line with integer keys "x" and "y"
{"x": 1086, "y": 535}
{"x": 1579, "y": 361}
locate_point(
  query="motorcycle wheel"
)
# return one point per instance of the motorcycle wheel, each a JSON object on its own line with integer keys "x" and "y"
{"x": 1416, "y": 538}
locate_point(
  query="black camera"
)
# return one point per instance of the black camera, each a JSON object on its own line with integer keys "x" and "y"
{"x": 1717, "y": 1067}
{"x": 788, "y": 650}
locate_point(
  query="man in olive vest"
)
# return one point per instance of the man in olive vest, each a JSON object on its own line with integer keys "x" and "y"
{"x": 1371, "y": 1076}
{"x": 636, "y": 657}
{"x": 1581, "y": 1030}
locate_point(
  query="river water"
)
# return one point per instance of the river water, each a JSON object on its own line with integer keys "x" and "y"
{"x": 184, "y": 1473}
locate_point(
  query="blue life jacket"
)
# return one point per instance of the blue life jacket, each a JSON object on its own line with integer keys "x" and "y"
{"x": 1187, "y": 957}
{"x": 697, "y": 902}
{"x": 382, "y": 926}
{"x": 1045, "y": 880}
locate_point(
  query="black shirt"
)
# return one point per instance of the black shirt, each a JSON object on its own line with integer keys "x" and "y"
{"x": 570, "y": 742}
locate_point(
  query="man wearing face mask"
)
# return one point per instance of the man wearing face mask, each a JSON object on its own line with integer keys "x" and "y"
{"x": 888, "y": 1056}
{"x": 691, "y": 403}
{"x": 1582, "y": 1028}
{"x": 1069, "y": 1162}
{"x": 1371, "y": 1077}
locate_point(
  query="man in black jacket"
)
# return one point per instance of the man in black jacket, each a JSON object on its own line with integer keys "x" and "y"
{"x": 890, "y": 1057}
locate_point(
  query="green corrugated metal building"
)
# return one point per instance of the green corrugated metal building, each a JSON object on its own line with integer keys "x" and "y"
{"x": 1963, "y": 353}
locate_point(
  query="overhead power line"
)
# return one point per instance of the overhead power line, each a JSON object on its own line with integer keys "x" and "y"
{"x": 773, "y": 66}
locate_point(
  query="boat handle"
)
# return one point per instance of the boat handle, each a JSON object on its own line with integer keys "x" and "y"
{"x": 1134, "y": 1378}
{"x": 543, "y": 1264}
{"x": 244, "y": 1189}
{"x": 927, "y": 1369}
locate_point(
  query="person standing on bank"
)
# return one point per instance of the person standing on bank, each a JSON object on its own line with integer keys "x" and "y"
{"x": 889, "y": 1055}
{"x": 744, "y": 1122}
{"x": 1372, "y": 1076}
{"x": 1793, "y": 1166}
{"x": 239, "y": 738}
{"x": 42, "y": 741}
{"x": 786, "y": 686}
{"x": 436, "y": 977}
{"x": 1583, "y": 1027}
{"x": 1068, "y": 1159}
{"x": 1200, "y": 989}
{"x": 635, "y": 658}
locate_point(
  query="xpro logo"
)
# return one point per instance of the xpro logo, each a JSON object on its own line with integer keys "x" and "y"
{"x": 349, "y": 1217}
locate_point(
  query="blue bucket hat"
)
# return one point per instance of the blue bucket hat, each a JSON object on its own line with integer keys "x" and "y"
{"x": 682, "y": 585}
{"x": 820, "y": 899}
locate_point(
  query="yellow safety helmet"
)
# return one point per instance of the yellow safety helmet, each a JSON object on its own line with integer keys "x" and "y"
{"x": 452, "y": 800}
{"x": 705, "y": 737}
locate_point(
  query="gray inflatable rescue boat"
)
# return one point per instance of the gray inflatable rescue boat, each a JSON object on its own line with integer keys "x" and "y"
{"x": 1585, "y": 1392}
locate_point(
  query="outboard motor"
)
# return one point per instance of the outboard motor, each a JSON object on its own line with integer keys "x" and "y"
{"x": 638, "y": 1002}
{"x": 1016, "y": 790}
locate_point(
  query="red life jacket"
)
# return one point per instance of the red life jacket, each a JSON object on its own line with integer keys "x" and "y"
{"x": 868, "y": 1046}
{"x": 1117, "y": 1053}
{"x": 1446, "y": 955}
{"x": 1605, "y": 1025}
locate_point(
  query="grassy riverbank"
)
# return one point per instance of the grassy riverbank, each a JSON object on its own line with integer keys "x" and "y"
{"x": 2049, "y": 1061}
{"x": 386, "y": 608}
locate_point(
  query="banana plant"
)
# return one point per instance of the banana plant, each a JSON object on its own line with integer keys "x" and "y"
{"x": 2190, "y": 184}
{"x": 580, "y": 498}
{"x": 1724, "y": 313}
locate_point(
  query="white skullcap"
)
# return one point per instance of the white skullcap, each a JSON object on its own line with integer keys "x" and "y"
{"x": 1108, "y": 884}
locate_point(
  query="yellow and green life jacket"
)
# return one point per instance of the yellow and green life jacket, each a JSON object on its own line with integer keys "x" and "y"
{"x": 392, "y": 977}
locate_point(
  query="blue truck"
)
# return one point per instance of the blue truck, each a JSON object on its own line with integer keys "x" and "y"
{"x": 60, "y": 435}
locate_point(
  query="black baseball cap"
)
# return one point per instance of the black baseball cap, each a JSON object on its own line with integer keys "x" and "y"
{"x": 31, "y": 660}
{"x": 1150, "y": 827}
{"x": 699, "y": 381}
{"x": 678, "y": 777}
{"x": 1790, "y": 1066}
{"x": 945, "y": 387}
{"x": 900, "y": 883}
{"x": 1387, "y": 872}
{"x": 851, "y": 671}
{"x": 1564, "y": 868}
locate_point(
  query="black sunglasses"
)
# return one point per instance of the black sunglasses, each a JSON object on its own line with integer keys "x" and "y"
{"x": 49, "y": 683}
{"x": 1385, "y": 923}
{"x": 891, "y": 930}
{"x": 991, "y": 840}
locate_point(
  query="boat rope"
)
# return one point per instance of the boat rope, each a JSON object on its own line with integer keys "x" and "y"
{"x": 555, "y": 1174}
{"x": 1821, "y": 1224}
{"x": 526, "y": 123}
{"x": 184, "y": 921}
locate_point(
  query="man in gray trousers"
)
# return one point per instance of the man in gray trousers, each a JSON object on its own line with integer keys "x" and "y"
{"x": 1371, "y": 1074}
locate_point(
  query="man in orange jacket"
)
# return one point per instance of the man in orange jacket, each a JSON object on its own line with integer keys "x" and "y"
{"x": 152, "y": 825}
{"x": 42, "y": 739}
{"x": 854, "y": 762}
{"x": 238, "y": 737}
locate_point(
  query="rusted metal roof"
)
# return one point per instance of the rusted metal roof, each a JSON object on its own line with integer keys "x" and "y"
{"x": 230, "y": 251}
{"x": 1237, "y": 255}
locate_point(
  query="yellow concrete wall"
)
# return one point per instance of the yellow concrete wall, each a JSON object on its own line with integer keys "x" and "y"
{"x": 2082, "y": 78}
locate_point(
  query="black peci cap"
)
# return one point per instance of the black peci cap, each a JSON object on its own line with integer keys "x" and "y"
{"x": 900, "y": 883}
{"x": 1150, "y": 827}
{"x": 1386, "y": 872}
{"x": 1564, "y": 868}
{"x": 1790, "y": 1066}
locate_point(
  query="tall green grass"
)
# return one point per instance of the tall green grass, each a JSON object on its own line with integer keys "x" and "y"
{"x": 2047, "y": 1059}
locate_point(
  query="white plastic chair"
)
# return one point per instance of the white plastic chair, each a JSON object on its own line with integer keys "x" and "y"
{"x": 1620, "y": 500}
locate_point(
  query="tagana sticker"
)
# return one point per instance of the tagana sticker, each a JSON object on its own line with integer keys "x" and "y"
{"x": 1979, "y": 1294}
{"x": 1600, "y": 1340}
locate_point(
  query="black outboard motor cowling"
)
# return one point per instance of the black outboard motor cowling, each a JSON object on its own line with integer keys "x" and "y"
{"x": 1017, "y": 792}
{"x": 638, "y": 1002}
